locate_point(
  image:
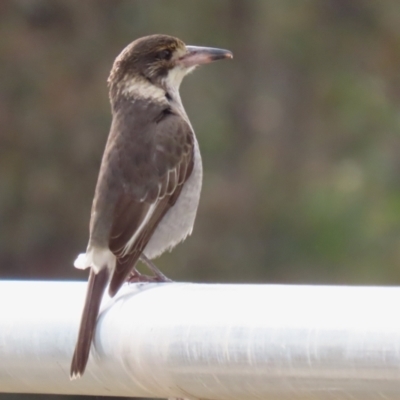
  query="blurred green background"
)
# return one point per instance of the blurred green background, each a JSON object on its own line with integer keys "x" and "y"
{"x": 299, "y": 135}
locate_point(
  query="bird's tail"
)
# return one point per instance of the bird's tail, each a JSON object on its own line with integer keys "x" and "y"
{"x": 96, "y": 288}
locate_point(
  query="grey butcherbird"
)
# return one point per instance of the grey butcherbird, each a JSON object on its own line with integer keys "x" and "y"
{"x": 150, "y": 177}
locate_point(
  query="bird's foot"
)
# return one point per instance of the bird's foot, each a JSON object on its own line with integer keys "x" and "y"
{"x": 136, "y": 277}
{"x": 158, "y": 275}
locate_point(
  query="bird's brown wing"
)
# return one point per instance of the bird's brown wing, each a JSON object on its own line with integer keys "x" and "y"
{"x": 136, "y": 217}
{"x": 141, "y": 177}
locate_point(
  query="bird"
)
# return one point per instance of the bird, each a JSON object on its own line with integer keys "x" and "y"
{"x": 150, "y": 178}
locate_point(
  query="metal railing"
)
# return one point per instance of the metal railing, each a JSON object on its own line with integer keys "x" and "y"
{"x": 205, "y": 341}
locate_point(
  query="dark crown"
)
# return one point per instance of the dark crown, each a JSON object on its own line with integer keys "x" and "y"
{"x": 149, "y": 57}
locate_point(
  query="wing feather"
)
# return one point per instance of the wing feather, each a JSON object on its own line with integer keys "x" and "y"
{"x": 136, "y": 219}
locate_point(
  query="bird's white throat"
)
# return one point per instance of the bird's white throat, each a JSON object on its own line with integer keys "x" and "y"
{"x": 139, "y": 87}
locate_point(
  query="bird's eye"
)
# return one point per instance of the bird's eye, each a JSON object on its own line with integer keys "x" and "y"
{"x": 165, "y": 54}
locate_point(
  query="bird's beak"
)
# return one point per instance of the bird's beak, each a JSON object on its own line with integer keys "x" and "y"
{"x": 202, "y": 55}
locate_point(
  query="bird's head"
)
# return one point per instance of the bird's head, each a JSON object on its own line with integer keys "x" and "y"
{"x": 158, "y": 61}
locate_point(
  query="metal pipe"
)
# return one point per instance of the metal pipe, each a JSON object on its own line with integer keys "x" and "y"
{"x": 205, "y": 341}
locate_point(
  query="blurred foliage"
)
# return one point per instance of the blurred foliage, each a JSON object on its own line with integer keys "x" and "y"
{"x": 299, "y": 135}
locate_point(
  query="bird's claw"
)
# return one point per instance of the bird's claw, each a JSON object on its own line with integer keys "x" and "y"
{"x": 137, "y": 277}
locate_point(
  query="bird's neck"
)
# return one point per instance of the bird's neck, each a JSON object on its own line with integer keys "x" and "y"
{"x": 166, "y": 94}
{"x": 140, "y": 88}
